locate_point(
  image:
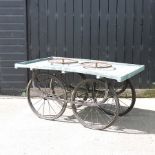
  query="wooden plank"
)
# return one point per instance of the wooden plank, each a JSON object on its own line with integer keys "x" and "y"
{"x": 145, "y": 53}
{"x": 12, "y": 19}
{"x": 14, "y": 78}
{"x": 5, "y": 56}
{"x": 33, "y": 29}
{"x": 9, "y": 3}
{"x": 103, "y": 29}
{"x": 12, "y": 48}
{"x": 137, "y": 38}
{"x": 152, "y": 46}
{"x": 9, "y": 63}
{"x": 69, "y": 10}
{"x": 112, "y": 30}
{"x": 86, "y": 28}
{"x": 43, "y": 34}
{"x": 78, "y": 28}
{"x": 11, "y": 70}
{"x": 12, "y": 26}
{"x": 61, "y": 28}
{"x": 153, "y": 21}
{"x": 12, "y": 85}
{"x": 52, "y": 29}
{"x": 129, "y": 31}
{"x": 94, "y": 29}
{"x": 12, "y": 11}
{"x": 12, "y": 34}
{"x": 137, "y": 31}
{"x": 120, "y": 31}
{"x": 13, "y": 41}
{"x": 69, "y": 28}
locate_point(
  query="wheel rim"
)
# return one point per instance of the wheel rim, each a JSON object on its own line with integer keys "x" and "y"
{"x": 47, "y": 97}
{"x": 127, "y": 96}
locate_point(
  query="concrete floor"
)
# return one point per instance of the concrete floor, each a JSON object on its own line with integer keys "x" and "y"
{"x": 22, "y": 133}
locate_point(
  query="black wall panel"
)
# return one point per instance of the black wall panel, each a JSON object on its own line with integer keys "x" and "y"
{"x": 12, "y": 45}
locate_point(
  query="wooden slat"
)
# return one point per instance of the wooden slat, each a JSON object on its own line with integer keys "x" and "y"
{"x": 112, "y": 30}
{"x": 137, "y": 37}
{"x": 12, "y": 34}
{"x": 43, "y": 35}
{"x": 33, "y": 29}
{"x": 11, "y": 70}
{"x": 52, "y": 28}
{"x": 94, "y": 29}
{"x": 9, "y": 56}
{"x": 18, "y": 3}
{"x": 12, "y": 41}
{"x": 137, "y": 31}
{"x": 61, "y": 28}
{"x": 78, "y": 28}
{"x": 9, "y": 85}
{"x": 86, "y": 35}
{"x": 12, "y": 48}
{"x": 120, "y": 31}
{"x": 152, "y": 53}
{"x": 12, "y": 19}
{"x": 69, "y": 28}
{"x": 129, "y": 31}
{"x": 9, "y": 63}
{"x": 12, "y": 26}
{"x": 13, "y": 78}
{"x": 12, "y": 11}
{"x": 103, "y": 29}
{"x": 145, "y": 53}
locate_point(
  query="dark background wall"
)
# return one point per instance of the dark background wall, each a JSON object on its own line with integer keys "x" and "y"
{"x": 12, "y": 45}
{"x": 114, "y": 30}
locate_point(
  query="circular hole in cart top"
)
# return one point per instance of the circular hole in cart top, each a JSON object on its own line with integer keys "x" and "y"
{"x": 62, "y": 61}
{"x": 96, "y": 64}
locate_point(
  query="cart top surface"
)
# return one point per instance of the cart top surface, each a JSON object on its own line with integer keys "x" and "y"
{"x": 117, "y": 71}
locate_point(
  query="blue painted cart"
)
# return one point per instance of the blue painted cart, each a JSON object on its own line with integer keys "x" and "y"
{"x": 96, "y": 102}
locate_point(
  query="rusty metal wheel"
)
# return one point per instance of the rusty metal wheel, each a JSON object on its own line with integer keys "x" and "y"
{"x": 46, "y": 96}
{"x": 90, "y": 111}
{"x": 127, "y": 96}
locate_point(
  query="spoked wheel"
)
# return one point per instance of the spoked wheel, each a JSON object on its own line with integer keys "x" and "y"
{"x": 89, "y": 100}
{"x": 69, "y": 83}
{"x": 127, "y": 96}
{"x": 46, "y": 96}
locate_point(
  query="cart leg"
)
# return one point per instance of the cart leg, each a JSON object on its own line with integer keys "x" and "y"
{"x": 34, "y": 77}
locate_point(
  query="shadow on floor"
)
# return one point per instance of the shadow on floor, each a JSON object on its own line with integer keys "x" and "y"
{"x": 138, "y": 121}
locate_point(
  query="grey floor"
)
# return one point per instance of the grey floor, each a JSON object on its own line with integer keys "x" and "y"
{"x": 22, "y": 133}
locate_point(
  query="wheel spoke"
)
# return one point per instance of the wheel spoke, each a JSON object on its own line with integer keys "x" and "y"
{"x": 123, "y": 102}
{"x": 51, "y": 106}
{"x": 40, "y": 106}
{"x": 43, "y": 106}
{"x": 38, "y": 101}
{"x": 104, "y": 112}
